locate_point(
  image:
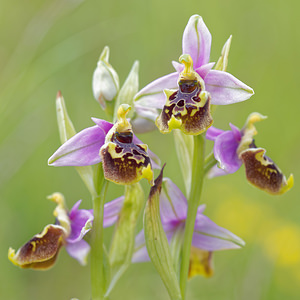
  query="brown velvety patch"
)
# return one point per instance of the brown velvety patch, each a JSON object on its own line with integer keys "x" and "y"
{"x": 128, "y": 166}
{"x": 41, "y": 251}
{"x": 261, "y": 171}
{"x": 186, "y": 105}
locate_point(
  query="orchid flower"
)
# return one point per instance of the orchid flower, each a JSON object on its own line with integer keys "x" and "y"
{"x": 208, "y": 236}
{"x": 194, "y": 85}
{"x": 125, "y": 159}
{"x": 234, "y": 147}
{"x": 41, "y": 251}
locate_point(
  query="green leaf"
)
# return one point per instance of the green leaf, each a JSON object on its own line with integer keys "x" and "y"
{"x": 66, "y": 131}
{"x": 157, "y": 242}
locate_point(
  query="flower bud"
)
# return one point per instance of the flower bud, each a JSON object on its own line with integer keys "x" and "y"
{"x": 105, "y": 80}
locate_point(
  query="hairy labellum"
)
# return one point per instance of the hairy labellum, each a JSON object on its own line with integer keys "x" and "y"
{"x": 124, "y": 162}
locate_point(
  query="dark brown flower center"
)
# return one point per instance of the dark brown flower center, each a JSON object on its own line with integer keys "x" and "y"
{"x": 124, "y": 137}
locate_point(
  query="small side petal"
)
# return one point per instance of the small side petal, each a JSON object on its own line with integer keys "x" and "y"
{"x": 152, "y": 94}
{"x": 204, "y": 70}
{"x": 225, "y": 151}
{"x": 140, "y": 251}
{"x": 112, "y": 210}
{"x": 211, "y": 237}
{"x": 79, "y": 251}
{"x": 173, "y": 204}
{"x": 81, "y": 223}
{"x": 80, "y": 150}
{"x": 144, "y": 121}
{"x": 196, "y": 41}
{"x": 226, "y": 89}
{"x": 215, "y": 171}
{"x": 104, "y": 125}
{"x": 212, "y": 133}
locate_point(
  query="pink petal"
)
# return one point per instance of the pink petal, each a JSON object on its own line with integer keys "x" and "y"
{"x": 152, "y": 94}
{"x": 212, "y": 133}
{"x": 177, "y": 66}
{"x": 80, "y": 150}
{"x": 211, "y": 237}
{"x": 173, "y": 204}
{"x": 215, "y": 171}
{"x": 225, "y": 88}
{"x": 111, "y": 211}
{"x": 79, "y": 251}
{"x": 79, "y": 218}
{"x": 104, "y": 125}
{"x": 204, "y": 70}
{"x": 225, "y": 148}
{"x": 140, "y": 251}
{"x": 196, "y": 41}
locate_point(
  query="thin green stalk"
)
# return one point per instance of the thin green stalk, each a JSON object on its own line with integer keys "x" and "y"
{"x": 210, "y": 161}
{"x": 97, "y": 271}
{"x": 193, "y": 203}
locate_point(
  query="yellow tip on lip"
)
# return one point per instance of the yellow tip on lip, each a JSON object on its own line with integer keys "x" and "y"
{"x": 288, "y": 186}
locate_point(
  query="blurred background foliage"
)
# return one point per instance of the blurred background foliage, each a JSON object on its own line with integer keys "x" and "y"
{"x": 46, "y": 46}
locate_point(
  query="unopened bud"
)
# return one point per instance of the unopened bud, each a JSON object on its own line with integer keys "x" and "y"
{"x": 105, "y": 80}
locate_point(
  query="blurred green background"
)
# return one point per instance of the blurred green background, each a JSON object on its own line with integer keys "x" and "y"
{"x": 46, "y": 46}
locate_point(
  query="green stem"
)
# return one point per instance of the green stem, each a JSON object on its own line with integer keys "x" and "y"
{"x": 97, "y": 270}
{"x": 210, "y": 161}
{"x": 193, "y": 203}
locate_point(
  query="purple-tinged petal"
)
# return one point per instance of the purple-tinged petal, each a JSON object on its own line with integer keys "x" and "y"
{"x": 215, "y": 171}
{"x": 80, "y": 150}
{"x": 112, "y": 210}
{"x": 173, "y": 204}
{"x": 204, "y": 70}
{"x": 79, "y": 251}
{"x": 152, "y": 94}
{"x": 140, "y": 251}
{"x": 211, "y": 237}
{"x": 225, "y": 88}
{"x": 155, "y": 161}
{"x": 236, "y": 132}
{"x": 80, "y": 223}
{"x": 104, "y": 125}
{"x": 212, "y": 133}
{"x": 196, "y": 41}
{"x": 201, "y": 209}
{"x": 177, "y": 66}
{"x": 144, "y": 120}
{"x": 146, "y": 112}
{"x": 225, "y": 152}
